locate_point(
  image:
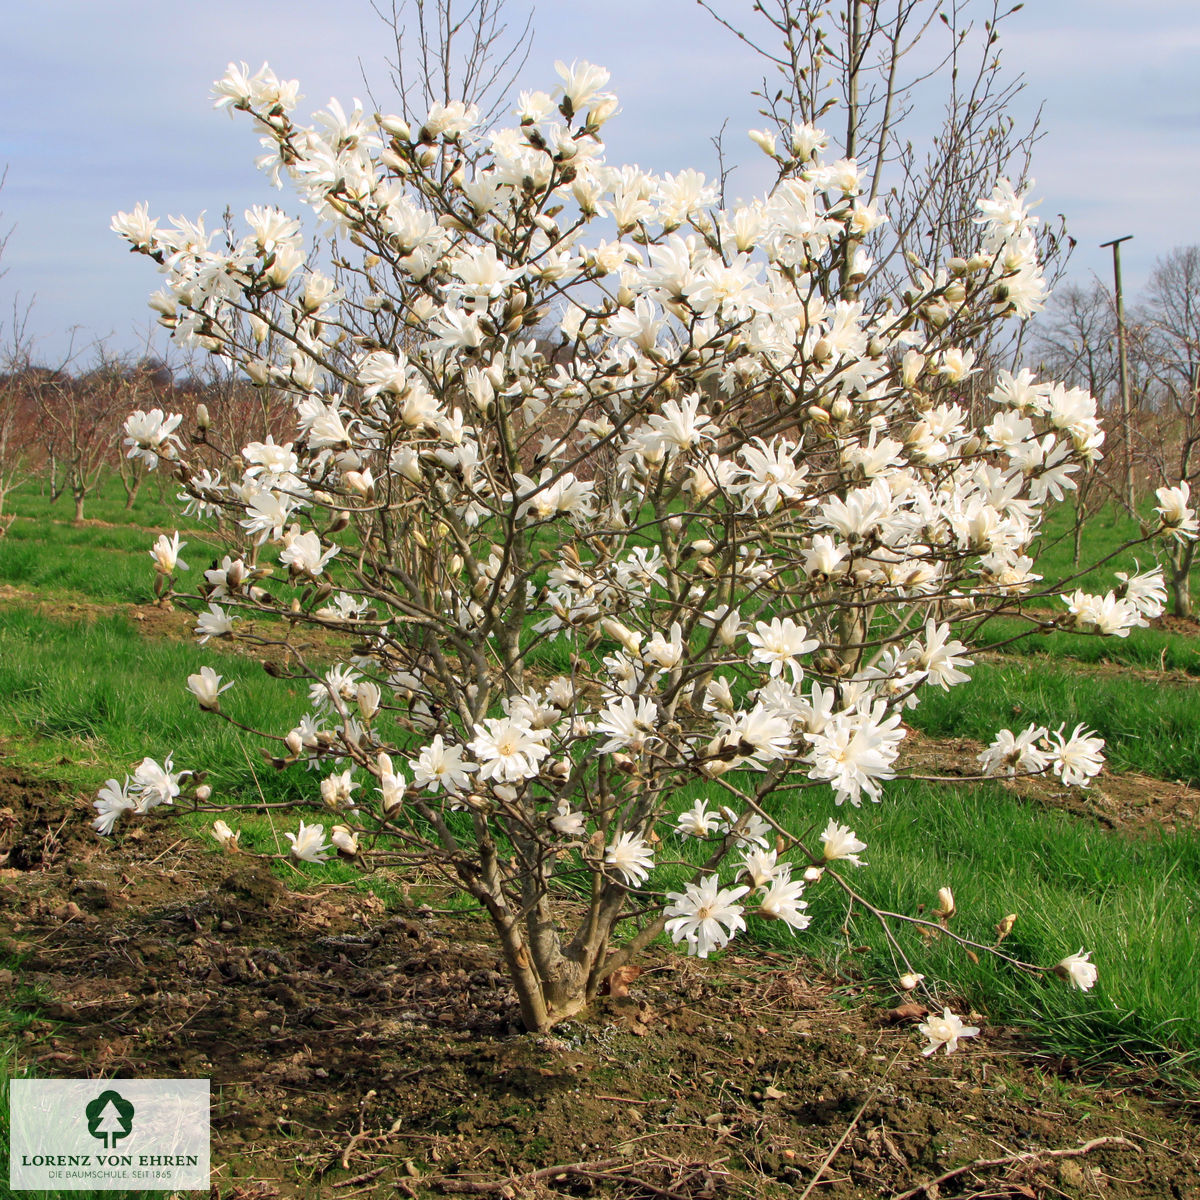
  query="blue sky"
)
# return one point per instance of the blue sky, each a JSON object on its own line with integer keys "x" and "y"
{"x": 106, "y": 104}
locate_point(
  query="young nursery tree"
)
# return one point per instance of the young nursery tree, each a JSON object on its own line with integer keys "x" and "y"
{"x": 555, "y": 686}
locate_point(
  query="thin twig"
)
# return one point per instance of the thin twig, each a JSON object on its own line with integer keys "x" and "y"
{"x": 922, "y": 1189}
{"x": 365, "y": 1177}
{"x": 862, "y": 1108}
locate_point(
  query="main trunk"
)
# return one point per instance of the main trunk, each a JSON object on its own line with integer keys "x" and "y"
{"x": 1181, "y": 595}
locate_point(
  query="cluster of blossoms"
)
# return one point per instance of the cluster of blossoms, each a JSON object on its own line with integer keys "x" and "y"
{"x": 152, "y": 784}
{"x": 550, "y": 410}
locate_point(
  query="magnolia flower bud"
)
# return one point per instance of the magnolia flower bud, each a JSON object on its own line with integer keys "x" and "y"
{"x": 225, "y": 835}
{"x": 202, "y": 418}
{"x": 360, "y": 482}
{"x": 368, "y": 697}
{"x": 391, "y": 159}
{"x": 259, "y": 372}
{"x": 841, "y": 409}
{"x": 345, "y": 839}
{"x": 294, "y": 742}
{"x": 812, "y": 874}
{"x": 911, "y": 366}
{"x": 945, "y": 905}
{"x": 396, "y": 126}
{"x": 764, "y": 140}
{"x": 909, "y": 980}
{"x": 204, "y": 793}
{"x": 629, "y": 640}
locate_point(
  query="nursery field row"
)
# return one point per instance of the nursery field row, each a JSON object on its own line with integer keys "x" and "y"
{"x": 85, "y": 698}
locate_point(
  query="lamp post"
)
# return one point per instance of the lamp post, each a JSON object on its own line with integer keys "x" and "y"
{"x": 1123, "y": 370}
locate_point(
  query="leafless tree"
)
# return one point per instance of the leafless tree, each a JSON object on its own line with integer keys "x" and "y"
{"x": 16, "y": 424}
{"x": 1075, "y": 341}
{"x": 81, "y": 418}
{"x": 868, "y": 71}
{"x": 454, "y": 50}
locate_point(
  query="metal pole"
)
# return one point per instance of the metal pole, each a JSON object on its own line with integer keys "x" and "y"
{"x": 1123, "y": 369}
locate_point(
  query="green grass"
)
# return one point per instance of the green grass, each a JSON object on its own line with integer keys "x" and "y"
{"x": 97, "y": 696}
{"x": 1145, "y": 649}
{"x": 1104, "y": 536}
{"x": 44, "y": 550}
{"x": 155, "y": 504}
{"x": 1149, "y": 726}
{"x": 1133, "y": 902}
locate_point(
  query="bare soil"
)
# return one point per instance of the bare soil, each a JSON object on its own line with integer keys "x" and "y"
{"x": 357, "y": 1050}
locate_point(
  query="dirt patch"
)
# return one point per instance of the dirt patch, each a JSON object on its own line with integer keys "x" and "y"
{"x": 96, "y": 523}
{"x": 1128, "y": 801}
{"x": 152, "y": 619}
{"x": 356, "y": 1050}
{"x": 176, "y": 623}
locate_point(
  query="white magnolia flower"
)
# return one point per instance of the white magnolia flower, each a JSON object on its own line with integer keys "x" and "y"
{"x": 761, "y": 867}
{"x": 945, "y": 1031}
{"x": 165, "y": 553}
{"x": 1177, "y": 516}
{"x": 113, "y": 800}
{"x": 308, "y": 843}
{"x": 441, "y": 768}
{"x": 214, "y": 623}
{"x": 150, "y": 434}
{"x": 337, "y": 789}
{"x": 1078, "y": 970}
{"x": 782, "y": 902}
{"x": 1077, "y": 759}
{"x": 855, "y": 751}
{"x": 705, "y": 915}
{"x": 345, "y": 839}
{"x": 631, "y": 858}
{"x": 840, "y": 842}
{"x": 1146, "y": 592}
{"x": 582, "y": 83}
{"x": 629, "y": 723}
{"x": 697, "y": 821}
{"x": 509, "y": 749}
{"x": 567, "y": 821}
{"x": 1016, "y": 754}
{"x": 155, "y": 784}
{"x": 780, "y": 643}
{"x": 206, "y": 687}
{"x": 304, "y": 555}
{"x": 225, "y": 836}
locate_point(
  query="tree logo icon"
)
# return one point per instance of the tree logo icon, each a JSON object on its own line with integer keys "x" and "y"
{"x": 109, "y": 1117}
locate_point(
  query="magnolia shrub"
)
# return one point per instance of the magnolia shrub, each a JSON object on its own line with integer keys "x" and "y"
{"x": 596, "y": 494}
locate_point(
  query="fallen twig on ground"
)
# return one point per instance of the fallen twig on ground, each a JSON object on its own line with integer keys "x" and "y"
{"x": 1009, "y": 1160}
